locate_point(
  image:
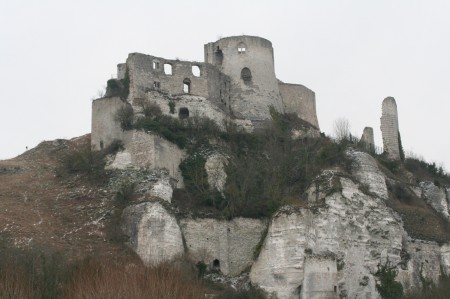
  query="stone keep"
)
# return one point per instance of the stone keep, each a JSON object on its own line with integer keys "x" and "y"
{"x": 248, "y": 61}
{"x": 389, "y": 128}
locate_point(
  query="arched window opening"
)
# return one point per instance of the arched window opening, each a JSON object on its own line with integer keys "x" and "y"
{"x": 155, "y": 64}
{"x": 246, "y": 74}
{"x": 241, "y": 48}
{"x": 216, "y": 265}
{"x": 187, "y": 85}
{"x": 183, "y": 113}
{"x": 101, "y": 144}
{"x": 167, "y": 69}
{"x": 219, "y": 56}
{"x": 196, "y": 71}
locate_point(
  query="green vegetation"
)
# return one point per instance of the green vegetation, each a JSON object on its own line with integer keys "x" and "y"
{"x": 87, "y": 162}
{"x": 125, "y": 117}
{"x": 28, "y": 274}
{"x": 118, "y": 88}
{"x": 264, "y": 170}
{"x": 402, "y": 151}
{"x": 427, "y": 171}
{"x": 440, "y": 291}
{"x": 172, "y": 107}
{"x": 387, "y": 286}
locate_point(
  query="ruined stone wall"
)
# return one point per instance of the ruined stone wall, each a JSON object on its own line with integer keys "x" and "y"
{"x": 121, "y": 70}
{"x": 105, "y": 129}
{"x": 219, "y": 86}
{"x": 232, "y": 243}
{"x": 252, "y": 95}
{"x": 300, "y": 100}
{"x": 389, "y": 128}
{"x": 144, "y": 73}
{"x": 144, "y": 150}
{"x": 196, "y": 105}
{"x": 320, "y": 278}
{"x": 368, "y": 138}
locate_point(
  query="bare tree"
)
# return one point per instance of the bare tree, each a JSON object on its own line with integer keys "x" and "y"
{"x": 341, "y": 128}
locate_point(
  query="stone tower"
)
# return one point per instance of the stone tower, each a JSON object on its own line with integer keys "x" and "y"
{"x": 389, "y": 128}
{"x": 368, "y": 138}
{"x": 249, "y": 62}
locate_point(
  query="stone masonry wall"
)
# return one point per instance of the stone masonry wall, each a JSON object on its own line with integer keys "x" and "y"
{"x": 389, "y": 128}
{"x": 300, "y": 100}
{"x": 143, "y": 74}
{"x": 149, "y": 151}
{"x": 367, "y": 137}
{"x": 249, "y": 99}
{"x": 105, "y": 129}
{"x": 232, "y": 243}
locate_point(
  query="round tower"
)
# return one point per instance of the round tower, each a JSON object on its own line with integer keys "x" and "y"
{"x": 249, "y": 62}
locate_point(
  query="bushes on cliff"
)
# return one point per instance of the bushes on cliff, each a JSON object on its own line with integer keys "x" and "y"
{"x": 265, "y": 170}
{"x": 90, "y": 163}
{"x": 427, "y": 171}
{"x": 187, "y": 133}
{"x": 387, "y": 287}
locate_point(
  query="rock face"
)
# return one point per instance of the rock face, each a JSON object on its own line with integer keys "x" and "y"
{"x": 153, "y": 233}
{"x": 215, "y": 169}
{"x": 225, "y": 245}
{"x": 366, "y": 171}
{"x": 436, "y": 197}
{"x": 349, "y": 230}
{"x": 389, "y": 128}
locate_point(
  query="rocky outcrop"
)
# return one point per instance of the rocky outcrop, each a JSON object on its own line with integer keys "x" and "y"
{"x": 228, "y": 246}
{"x": 215, "y": 169}
{"x": 436, "y": 197}
{"x": 365, "y": 170}
{"x": 349, "y": 230}
{"x": 153, "y": 233}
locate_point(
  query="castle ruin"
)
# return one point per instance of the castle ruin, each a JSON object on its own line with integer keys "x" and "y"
{"x": 235, "y": 83}
{"x": 389, "y": 128}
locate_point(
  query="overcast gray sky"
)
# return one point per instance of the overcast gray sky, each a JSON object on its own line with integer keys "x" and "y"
{"x": 56, "y": 55}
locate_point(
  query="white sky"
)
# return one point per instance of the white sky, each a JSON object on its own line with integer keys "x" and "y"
{"x": 56, "y": 55}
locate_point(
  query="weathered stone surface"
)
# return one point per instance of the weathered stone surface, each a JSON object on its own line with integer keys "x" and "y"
{"x": 300, "y": 100}
{"x": 389, "y": 128}
{"x": 153, "y": 232}
{"x": 359, "y": 230}
{"x": 145, "y": 150}
{"x": 232, "y": 243}
{"x": 445, "y": 258}
{"x": 215, "y": 169}
{"x": 105, "y": 128}
{"x": 310, "y": 132}
{"x": 250, "y": 99}
{"x": 367, "y": 137}
{"x": 366, "y": 171}
{"x": 424, "y": 259}
{"x": 197, "y": 106}
{"x": 436, "y": 197}
{"x": 321, "y": 278}
{"x": 162, "y": 189}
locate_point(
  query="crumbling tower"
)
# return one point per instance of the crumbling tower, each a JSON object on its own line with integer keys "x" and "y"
{"x": 249, "y": 62}
{"x": 389, "y": 128}
{"x": 367, "y": 138}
